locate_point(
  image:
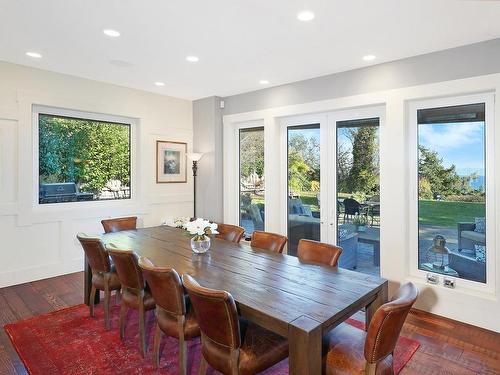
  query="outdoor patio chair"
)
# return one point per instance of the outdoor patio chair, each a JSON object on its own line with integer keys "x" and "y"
{"x": 351, "y": 208}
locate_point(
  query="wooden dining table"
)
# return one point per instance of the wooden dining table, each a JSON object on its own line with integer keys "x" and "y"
{"x": 297, "y": 300}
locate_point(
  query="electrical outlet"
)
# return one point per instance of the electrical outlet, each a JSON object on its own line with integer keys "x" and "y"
{"x": 449, "y": 283}
{"x": 432, "y": 278}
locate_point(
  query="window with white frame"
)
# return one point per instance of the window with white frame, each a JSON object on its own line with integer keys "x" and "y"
{"x": 451, "y": 190}
{"x": 82, "y": 159}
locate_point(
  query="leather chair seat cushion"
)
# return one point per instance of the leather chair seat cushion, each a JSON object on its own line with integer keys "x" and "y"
{"x": 168, "y": 324}
{"x": 260, "y": 349}
{"x": 345, "y": 352}
{"x": 114, "y": 281}
{"x": 131, "y": 299}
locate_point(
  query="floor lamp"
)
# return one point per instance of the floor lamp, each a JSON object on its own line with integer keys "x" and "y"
{"x": 195, "y": 158}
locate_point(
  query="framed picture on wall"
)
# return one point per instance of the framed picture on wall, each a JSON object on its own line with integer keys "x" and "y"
{"x": 171, "y": 162}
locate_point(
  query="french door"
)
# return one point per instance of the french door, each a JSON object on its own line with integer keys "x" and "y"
{"x": 332, "y": 183}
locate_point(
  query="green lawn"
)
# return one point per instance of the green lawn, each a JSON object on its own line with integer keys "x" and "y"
{"x": 309, "y": 198}
{"x": 448, "y": 214}
{"x": 436, "y": 213}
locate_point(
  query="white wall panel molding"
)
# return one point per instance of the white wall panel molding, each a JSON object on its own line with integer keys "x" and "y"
{"x": 8, "y": 209}
{"x": 171, "y": 199}
{"x": 42, "y": 237}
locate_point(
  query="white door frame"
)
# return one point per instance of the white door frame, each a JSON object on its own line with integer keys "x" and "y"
{"x": 232, "y": 202}
{"x": 333, "y": 118}
{"x": 328, "y": 161}
{"x": 285, "y": 123}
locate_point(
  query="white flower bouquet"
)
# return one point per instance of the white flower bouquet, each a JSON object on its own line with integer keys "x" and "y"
{"x": 200, "y": 228}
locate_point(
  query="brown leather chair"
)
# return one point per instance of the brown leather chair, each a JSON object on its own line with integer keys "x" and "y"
{"x": 268, "y": 241}
{"x": 135, "y": 294}
{"x": 230, "y": 232}
{"x": 225, "y": 346}
{"x": 318, "y": 252}
{"x": 174, "y": 315}
{"x": 119, "y": 224}
{"x": 353, "y": 351}
{"x": 104, "y": 275}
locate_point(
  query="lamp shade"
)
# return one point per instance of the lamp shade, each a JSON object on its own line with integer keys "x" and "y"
{"x": 194, "y": 156}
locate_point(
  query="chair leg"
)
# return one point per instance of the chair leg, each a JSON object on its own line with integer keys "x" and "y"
{"x": 235, "y": 354}
{"x": 182, "y": 355}
{"x": 117, "y": 296}
{"x": 371, "y": 369}
{"x": 142, "y": 334}
{"x": 107, "y": 298}
{"x": 203, "y": 366}
{"x": 92, "y": 300}
{"x": 156, "y": 346}
{"x": 123, "y": 310}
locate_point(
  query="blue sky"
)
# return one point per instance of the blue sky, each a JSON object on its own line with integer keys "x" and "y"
{"x": 461, "y": 144}
{"x": 308, "y": 133}
{"x": 343, "y": 138}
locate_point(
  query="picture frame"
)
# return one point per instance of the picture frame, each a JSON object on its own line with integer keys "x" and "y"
{"x": 171, "y": 163}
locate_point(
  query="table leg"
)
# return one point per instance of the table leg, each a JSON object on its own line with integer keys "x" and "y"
{"x": 305, "y": 347}
{"x": 373, "y": 306}
{"x": 87, "y": 284}
{"x": 376, "y": 253}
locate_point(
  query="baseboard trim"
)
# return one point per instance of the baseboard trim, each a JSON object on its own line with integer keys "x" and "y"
{"x": 40, "y": 272}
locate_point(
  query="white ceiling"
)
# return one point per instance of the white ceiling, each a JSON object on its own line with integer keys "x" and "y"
{"x": 239, "y": 42}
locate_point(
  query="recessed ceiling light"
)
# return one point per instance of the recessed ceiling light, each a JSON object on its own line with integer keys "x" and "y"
{"x": 35, "y": 55}
{"x": 160, "y": 84}
{"x": 112, "y": 33}
{"x": 305, "y": 15}
{"x": 369, "y": 57}
{"x": 264, "y": 82}
{"x": 192, "y": 59}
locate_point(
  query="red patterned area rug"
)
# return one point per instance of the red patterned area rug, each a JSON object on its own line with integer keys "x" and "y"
{"x": 69, "y": 341}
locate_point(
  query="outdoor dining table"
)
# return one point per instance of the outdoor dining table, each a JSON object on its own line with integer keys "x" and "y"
{"x": 300, "y": 301}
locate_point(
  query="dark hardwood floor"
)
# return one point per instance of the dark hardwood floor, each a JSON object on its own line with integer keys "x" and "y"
{"x": 447, "y": 346}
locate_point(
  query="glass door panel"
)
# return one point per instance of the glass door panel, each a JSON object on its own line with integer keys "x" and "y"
{"x": 303, "y": 160}
{"x": 358, "y": 194}
{"x": 252, "y": 185}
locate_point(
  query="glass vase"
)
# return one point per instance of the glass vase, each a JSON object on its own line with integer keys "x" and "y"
{"x": 200, "y": 244}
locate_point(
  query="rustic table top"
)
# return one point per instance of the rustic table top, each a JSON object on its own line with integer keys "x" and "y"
{"x": 275, "y": 290}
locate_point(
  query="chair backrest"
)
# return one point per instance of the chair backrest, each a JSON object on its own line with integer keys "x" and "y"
{"x": 119, "y": 224}
{"x": 230, "y": 232}
{"x": 268, "y": 241}
{"x": 166, "y": 287}
{"x": 215, "y": 312}
{"x": 386, "y": 324}
{"x": 319, "y": 252}
{"x": 97, "y": 255}
{"x": 351, "y": 206}
{"x": 127, "y": 268}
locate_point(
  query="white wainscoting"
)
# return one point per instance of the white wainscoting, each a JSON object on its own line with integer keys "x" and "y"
{"x": 39, "y": 242}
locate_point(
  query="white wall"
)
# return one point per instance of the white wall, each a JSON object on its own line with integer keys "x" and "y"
{"x": 207, "y": 125}
{"x": 40, "y": 243}
{"x": 479, "y": 307}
